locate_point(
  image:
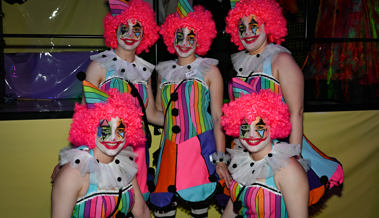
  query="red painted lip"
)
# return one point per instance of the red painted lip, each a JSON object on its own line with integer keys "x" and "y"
{"x": 254, "y": 141}
{"x": 129, "y": 41}
{"x": 111, "y": 145}
{"x": 250, "y": 39}
{"x": 183, "y": 49}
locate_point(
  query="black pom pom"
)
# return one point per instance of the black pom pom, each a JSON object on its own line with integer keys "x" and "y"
{"x": 237, "y": 206}
{"x": 324, "y": 180}
{"x": 81, "y": 76}
{"x": 171, "y": 188}
{"x": 212, "y": 178}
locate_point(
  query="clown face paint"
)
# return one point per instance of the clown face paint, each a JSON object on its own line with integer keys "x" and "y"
{"x": 129, "y": 35}
{"x": 251, "y": 35}
{"x": 185, "y": 42}
{"x": 110, "y": 137}
{"x": 256, "y": 136}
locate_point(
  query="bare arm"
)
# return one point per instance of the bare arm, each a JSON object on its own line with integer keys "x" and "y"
{"x": 154, "y": 115}
{"x": 140, "y": 209}
{"x": 293, "y": 183}
{"x": 228, "y": 211}
{"x": 66, "y": 188}
{"x": 286, "y": 70}
{"x": 214, "y": 80}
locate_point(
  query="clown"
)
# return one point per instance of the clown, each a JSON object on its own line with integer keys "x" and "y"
{"x": 255, "y": 25}
{"x": 129, "y": 29}
{"x": 267, "y": 179}
{"x": 97, "y": 178}
{"x": 188, "y": 86}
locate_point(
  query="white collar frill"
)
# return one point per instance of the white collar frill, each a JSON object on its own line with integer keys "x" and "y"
{"x": 116, "y": 174}
{"x": 244, "y": 63}
{"x": 139, "y": 71}
{"x": 171, "y": 72}
{"x": 246, "y": 171}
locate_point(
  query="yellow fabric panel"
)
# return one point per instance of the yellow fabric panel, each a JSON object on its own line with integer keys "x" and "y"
{"x": 29, "y": 151}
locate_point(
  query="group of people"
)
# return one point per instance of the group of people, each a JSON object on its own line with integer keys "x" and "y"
{"x": 270, "y": 168}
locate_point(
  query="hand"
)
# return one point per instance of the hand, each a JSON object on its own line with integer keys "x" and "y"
{"x": 223, "y": 173}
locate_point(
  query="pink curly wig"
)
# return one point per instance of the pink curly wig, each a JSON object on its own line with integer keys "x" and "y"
{"x": 200, "y": 20}
{"x": 85, "y": 121}
{"x": 267, "y": 12}
{"x": 138, "y": 10}
{"x": 266, "y": 104}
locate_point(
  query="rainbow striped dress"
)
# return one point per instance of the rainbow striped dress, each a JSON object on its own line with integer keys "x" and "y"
{"x": 325, "y": 172}
{"x": 138, "y": 73}
{"x": 184, "y": 168}
{"x": 110, "y": 189}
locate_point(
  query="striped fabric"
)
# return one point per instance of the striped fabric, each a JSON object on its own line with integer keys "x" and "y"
{"x": 242, "y": 85}
{"x": 124, "y": 86}
{"x": 93, "y": 95}
{"x": 118, "y": 6}
{"x": 191, "y": 105}
{"x": 102, "y": 204}
{"x": 183, "y": 8}
{"x": 258, "y": 201}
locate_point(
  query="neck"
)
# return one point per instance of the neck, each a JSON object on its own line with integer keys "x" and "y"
{"x": 260, "y": 49}
{"x": 259, "y": 155}
{"x": 101, "y": 157}
{"x": 187, "y": 60}
{"x": 127, "y": 55}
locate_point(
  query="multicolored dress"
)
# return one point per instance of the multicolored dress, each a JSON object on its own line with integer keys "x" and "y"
{"x": 110, "y": 189}
{"x": 184, "y": 167}
{"x": 253, "y": 190}
{"x": 136, "y": 73}
{"x": 325, "y": 172}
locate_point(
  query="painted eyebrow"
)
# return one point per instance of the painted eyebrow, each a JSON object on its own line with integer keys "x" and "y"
{"x": 253, "y": 21}
{"x": 137, "y": 25}
{"x": 191, "y": 33}
{"x": 261, "y": 122}
{"x": 121, "y": 125}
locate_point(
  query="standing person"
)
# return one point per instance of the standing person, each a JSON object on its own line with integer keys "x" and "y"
{"x": 129, "y": 29}
{"x": 188, "y": 86}
{"x": 268, "y": 181}
{"x": 254, "y": 25}
{"x": 98, "y": 176}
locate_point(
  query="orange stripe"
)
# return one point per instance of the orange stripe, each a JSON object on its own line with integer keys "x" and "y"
{"x": 196, "y": 102}
{"x": 260, "y": 198}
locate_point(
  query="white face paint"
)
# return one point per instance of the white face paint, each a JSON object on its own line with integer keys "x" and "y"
{"x": 256, "y": 136}
{"x": 110, "y": 137}
{"x": 251, "y": 35}
{"x": 129, "y": 35}
{"x": 185, "y": 42}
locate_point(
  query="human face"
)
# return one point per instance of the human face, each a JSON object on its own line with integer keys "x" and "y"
{"x": 110, "y": 137}
{"x": 255, "y": 136}
{"x": 129, "y": 35}
{"x": 251, "y": 35}
{"x": 185, "y": 42}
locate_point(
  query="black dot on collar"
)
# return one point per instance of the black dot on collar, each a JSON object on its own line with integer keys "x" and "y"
{"x": 214, "y": 161}
{"x": 245, "y": 150}
{"x": 119, "y": 179}
{"x": 240, "y": 70}
{"x": 189, "y": 67}
{"x": 174, "y": 66}
{"x": 114, "y": 59}
{"x": 131, "y": 158}
{"x": 77, "y": 161}
{"x": 97, "y": 160}
{"x": 122, "y": 70}
{"x": 252, "y": 172}
{"x": 117, "y": 161}
{"x": 144, "y": 69}
{"x": 234, "y": 165}
{"x": 221, "y": 159}
{"x": 134, "y": 65}
{"x": 104, "y": 56}
{"x": 269, "y": 155}
{"x": 252, "y": 164}
{"x": 246, "y": 51}
{"x": 258, "y": 55}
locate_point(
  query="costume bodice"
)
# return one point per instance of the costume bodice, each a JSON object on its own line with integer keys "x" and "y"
{"x": 185, "y": 99}
{"x": 137, "y": 72}
{"x": 110, "y": 189}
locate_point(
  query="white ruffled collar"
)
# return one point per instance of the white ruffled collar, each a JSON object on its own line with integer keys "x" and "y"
{"x": 114, "y": 175}
{"x": 139, "y": 71}
{"x": 246, "y": 171}
{"x": 244, "y": 63}
{"x": 171, "y": 72}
